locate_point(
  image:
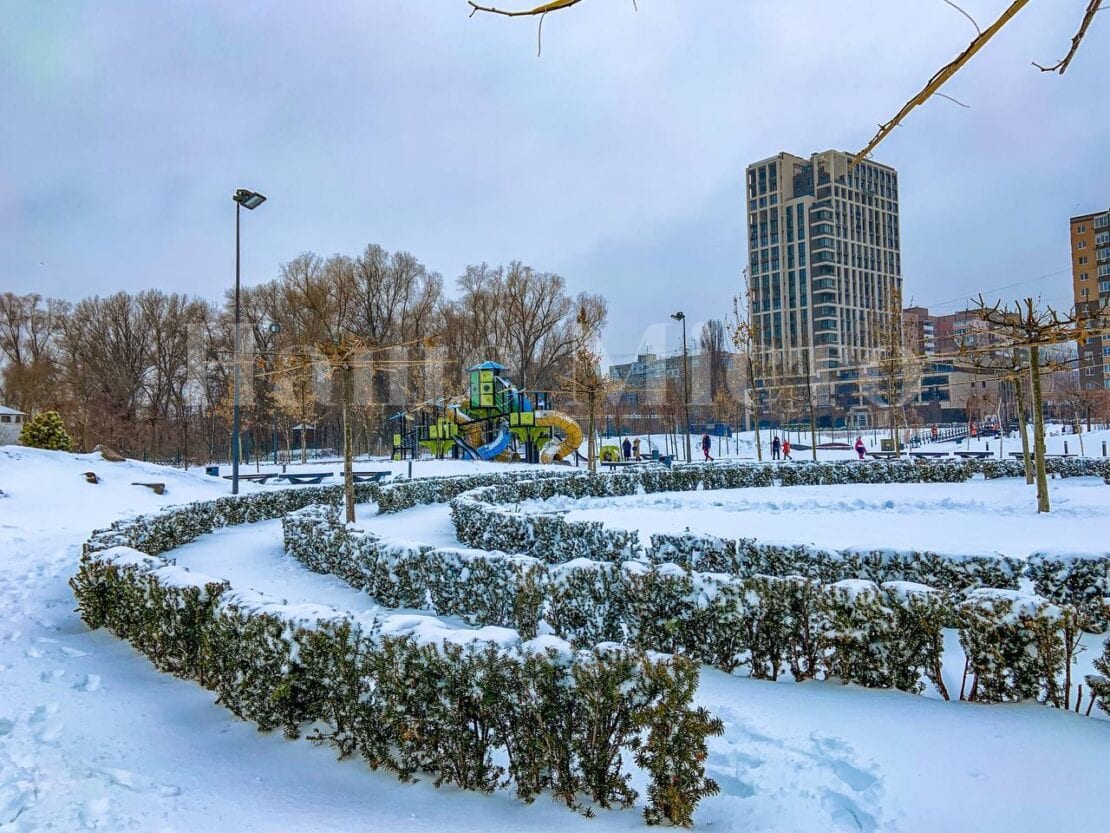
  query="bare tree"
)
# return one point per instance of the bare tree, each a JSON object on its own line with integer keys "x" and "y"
{"x": 1026, "y": 325}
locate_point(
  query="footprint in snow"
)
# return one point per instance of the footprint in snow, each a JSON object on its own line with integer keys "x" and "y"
{"x": 88, "y": 682}
{"x": 51, "y": 676}
{"x": 137, "y": 783}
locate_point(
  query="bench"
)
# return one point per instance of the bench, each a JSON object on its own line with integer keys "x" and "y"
{"x": 254, "y": 478}
{"x": 157, "y": 488}
{"x": 306, "y": 479}
{"x": 369, "y": 476}
{"x": 883, "y": 455}
{"x": 973, "y": 455}
{"x": 928, "y": 453}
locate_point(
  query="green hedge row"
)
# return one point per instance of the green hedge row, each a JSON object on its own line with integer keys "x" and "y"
{"x": 413, "y": 700}
{"x": 881, "y": 635}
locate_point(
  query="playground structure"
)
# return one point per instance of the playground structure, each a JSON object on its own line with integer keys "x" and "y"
{"x": 494, "y": 421}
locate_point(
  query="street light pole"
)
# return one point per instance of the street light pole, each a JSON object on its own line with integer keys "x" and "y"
{"x": 251, "y": 200}
{"x": 681, "y": 316}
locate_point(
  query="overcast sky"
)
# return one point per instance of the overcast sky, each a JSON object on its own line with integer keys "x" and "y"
{"x": 615, "y": 159}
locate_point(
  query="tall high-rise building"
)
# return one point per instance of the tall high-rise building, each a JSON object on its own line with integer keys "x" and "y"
{"x": 1090, "y": 277}
{"x": 824, "y": 262}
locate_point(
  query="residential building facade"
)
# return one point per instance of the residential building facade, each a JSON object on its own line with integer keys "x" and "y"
{"x": 824, "y": 257}
{"x": 1090, "y": 265}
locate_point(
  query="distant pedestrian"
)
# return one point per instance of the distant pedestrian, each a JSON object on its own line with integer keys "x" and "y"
{"x": 786, "y": 449}
{"x": 705, "y": 443}
{"x": 933, "y": 433}
{"x": 626, "y": 447}
{"x": 636, "y": 449}
{"x": 861, "y": 449}
{"x": 775, "y": 446}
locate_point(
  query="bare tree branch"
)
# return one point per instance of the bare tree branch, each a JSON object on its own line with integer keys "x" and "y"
{"x": 938, "y": 80}
{"x": 1062, "y": 65}
{"x": 543, "y": 9}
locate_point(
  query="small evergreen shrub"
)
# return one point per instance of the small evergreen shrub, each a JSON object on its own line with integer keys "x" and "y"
{"x": 46, "y": 430}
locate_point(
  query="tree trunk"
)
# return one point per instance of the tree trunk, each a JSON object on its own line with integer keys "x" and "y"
{"x": 1023, "y": 425}
{"x": 1038, "y": 429}
{"x": 348, "y": 477}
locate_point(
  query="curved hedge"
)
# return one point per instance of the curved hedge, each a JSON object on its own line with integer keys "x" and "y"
{"x": 405, "y": 692}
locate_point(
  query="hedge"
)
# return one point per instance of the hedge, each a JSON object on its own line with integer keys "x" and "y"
{"x": 775, "y": 625}
{"x": 412, "y": 697}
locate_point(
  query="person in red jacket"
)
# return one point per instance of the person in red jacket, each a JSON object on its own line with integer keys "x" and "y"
{"x": 861, "y": 449}
{"x": 786, "y": 449}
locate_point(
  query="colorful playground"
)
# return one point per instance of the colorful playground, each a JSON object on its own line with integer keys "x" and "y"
{"x": 494, "y": 421}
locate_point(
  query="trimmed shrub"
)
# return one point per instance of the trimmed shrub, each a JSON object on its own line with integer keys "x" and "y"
{"x": 46, "y": 430}
{"x": 1015, "y": 646}
{"x": 413, "y": 697}
{"x": 1076, "y": 579}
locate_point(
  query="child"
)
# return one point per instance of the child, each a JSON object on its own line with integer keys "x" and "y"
{"x": 861, "y": 449}
{"x": 786, "y": 449}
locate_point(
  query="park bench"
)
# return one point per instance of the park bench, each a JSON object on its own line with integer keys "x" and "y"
{"x": 157, "y": 488}
{"x": 306, "y": 479}
{"x": 255, "y": 478}
{"x": 369, "y": 476}
{"x": 883, "y": 455}
{"x": 928, "y": 453}
{"x": 973, "y": 455}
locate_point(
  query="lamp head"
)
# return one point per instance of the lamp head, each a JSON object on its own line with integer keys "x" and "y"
{"x": 678, "y": 316}
{"x": 248, "y": 199}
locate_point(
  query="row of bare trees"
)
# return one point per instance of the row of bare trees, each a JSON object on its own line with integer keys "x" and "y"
{"x": 366, "y": 336}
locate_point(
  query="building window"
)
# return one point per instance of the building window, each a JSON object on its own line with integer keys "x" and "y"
{"x": 1082, "y": 244}
{"x": 1103, "y": 221}
{"x": 5, "y": 418}
{"x": 1102, "y": 238}
{"x": 1080, "y": 229}
{"x": 1082, "y": 259}
{"x": 1083, "y": 276}
{"x": 1083, "y": 292}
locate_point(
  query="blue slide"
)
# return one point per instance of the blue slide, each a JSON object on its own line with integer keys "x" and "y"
{"x": 490, "y": 449}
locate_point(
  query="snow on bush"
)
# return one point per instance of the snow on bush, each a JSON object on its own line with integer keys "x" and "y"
{"x": 1017, "y": 646}
{"x": 405, "y": 692}
{"x": 1076, "y": 579}
{"x": 888, "y": 636}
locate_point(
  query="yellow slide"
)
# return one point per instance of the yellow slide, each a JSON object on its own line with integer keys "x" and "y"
{"x": 473, "y": 433}
{"x": 572, "y": 435}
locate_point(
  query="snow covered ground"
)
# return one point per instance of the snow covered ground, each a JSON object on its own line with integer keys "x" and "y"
{"x": 979, "y": 516}
{"x": 93, "y": 738}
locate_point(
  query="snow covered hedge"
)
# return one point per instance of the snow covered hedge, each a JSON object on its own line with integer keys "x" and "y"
{"x": 856, "y": 631}
{"x": 1019, "y": 646}
{"x": 1077, "y": 579}
{"x": 415, "y": 697}
{"x": 952, "y": 573}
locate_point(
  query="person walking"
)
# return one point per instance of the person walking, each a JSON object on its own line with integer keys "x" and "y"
{"x": 775, "y": 446}
{"x": 636, "y": 449}
{"x": 933, "y": 433}
{"x": 861, "y": 449}
{"x": 705, "y": 443}
{"x": 626, "y": 447}
{"x": 786, "y": 448}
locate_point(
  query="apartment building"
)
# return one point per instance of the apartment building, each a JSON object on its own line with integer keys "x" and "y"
{"x": 824, "y": 259}
{"x": 1090, "y": 266}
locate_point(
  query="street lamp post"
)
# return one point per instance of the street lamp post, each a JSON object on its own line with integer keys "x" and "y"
{"x": 681, "y": 316}
{"x": 249, "y": 200}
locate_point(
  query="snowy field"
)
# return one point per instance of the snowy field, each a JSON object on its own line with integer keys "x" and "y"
{"x": 93, "y": 738}
{"x": 979, "y": 516}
